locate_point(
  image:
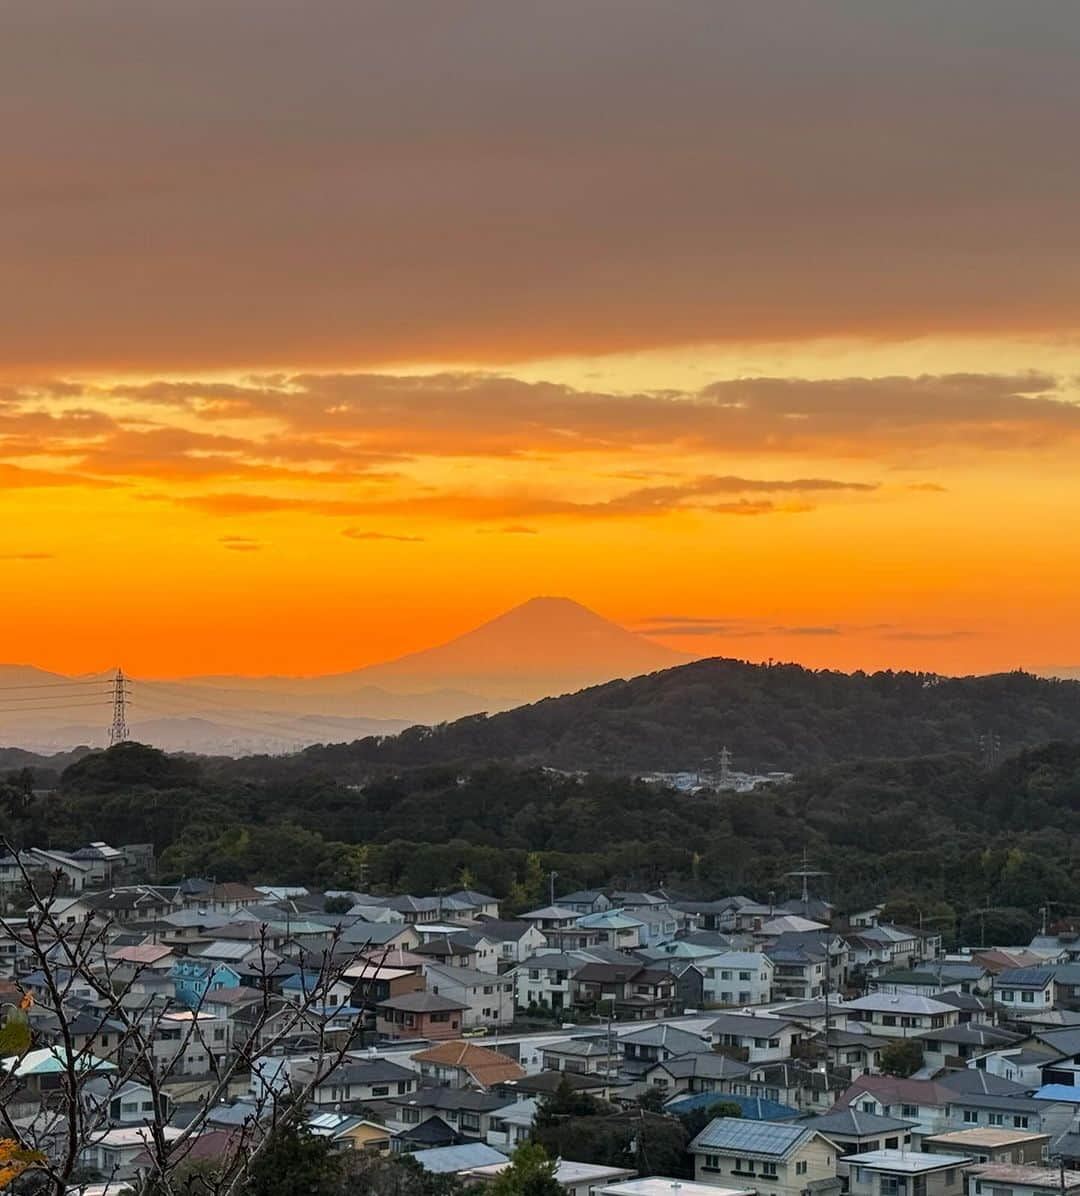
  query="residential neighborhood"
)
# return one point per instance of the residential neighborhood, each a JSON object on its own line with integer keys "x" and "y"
{"x": 809, "y": 1052}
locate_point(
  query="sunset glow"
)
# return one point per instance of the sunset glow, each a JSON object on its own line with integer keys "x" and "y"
{"x": 323, "y": 340}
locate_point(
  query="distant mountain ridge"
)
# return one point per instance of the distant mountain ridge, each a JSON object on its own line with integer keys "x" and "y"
{"x": 543, "y": 646}
{"x": 769, "y": 716}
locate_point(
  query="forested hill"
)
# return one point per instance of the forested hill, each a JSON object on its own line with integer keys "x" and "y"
{"x": 770, "y": 717}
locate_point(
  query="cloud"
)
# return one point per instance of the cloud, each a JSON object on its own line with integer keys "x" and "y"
{"x": 27, "y": 556}
{"x": 776, "y": 170}
{"x": 240, "y": 544}
{"x": 355, "y": 533}
{"x": 470, "y": 414}
{"x": 16, "y": 477}
{"x": 698, "y": 494}
{"x": 512, "y": 529}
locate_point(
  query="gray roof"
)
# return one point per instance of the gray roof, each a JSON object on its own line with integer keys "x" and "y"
{"x": 973, "y": 1034}
{"x": 451, "y": 1098}
{"x": 851, "y": 1123}
{"x": 751, "y": 1024}
{"x": 368, "y": 1071}
{"x": 421, "y": 1002}
{"x": 1033, "y": 978}
{"x": 706, "y": 1064}
{"x": 751, "y": 1139}
{"x": 447, "y": 1160}
{"x": 984, "y": 1083}
{"x": 679, "y": 1042}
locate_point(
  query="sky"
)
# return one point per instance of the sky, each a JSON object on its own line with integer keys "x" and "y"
{"x": 330, "y": 330}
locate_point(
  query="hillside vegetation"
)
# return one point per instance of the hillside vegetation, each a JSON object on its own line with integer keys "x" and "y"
{"x": 936, "y": 832}
{"x": 770, "y": 717}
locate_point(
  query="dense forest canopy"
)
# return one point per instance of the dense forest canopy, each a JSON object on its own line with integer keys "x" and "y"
{"x": 938, "y": 836}
{"x": 771, "y": 717}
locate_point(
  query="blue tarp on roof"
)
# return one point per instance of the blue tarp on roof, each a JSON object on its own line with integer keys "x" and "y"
{"x": 754, "y": 1108}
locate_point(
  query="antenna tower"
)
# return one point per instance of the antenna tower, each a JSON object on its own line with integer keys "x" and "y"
{"x": 118, "y": 729}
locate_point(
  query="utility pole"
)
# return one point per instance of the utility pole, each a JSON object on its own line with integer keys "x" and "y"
{"x": 118, "y": 729}
{"x": 551, "y": 883}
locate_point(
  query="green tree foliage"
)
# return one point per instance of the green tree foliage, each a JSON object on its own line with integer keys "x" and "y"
{"x": 295, "y": 1162}
{"x": 697, "y": 1119}
{"x": 902, "y": 1057}
{"x": 531, "y": 1173}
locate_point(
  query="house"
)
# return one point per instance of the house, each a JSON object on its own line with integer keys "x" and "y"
{"x": 586, "y": 901}
{"x": 464, "y": 1065}
{"x": 846, "y": 1048}
{"x": 737, "y": 978}
{"x": 899, "y": 1015}
{"x": 772, "y": 1158}
{"x": 515, "y": 941}
{"x": 616, "y": 928}
{"x": 465, "y": 1110}
{"x": 953, "y": 1046}
{"x": 545, "y": 980}
{"x": 476, "y": 905}
{"x": 798, "y": 1085}
{"x": 893, "y": 1172}
{"x": 755, "y": 1039}
{"x": 923, "y": 1102}
{"x": 488, "y": 999}
{"x": 1026, "y": 987}
{"x": 699, "y": 1071}
{"x": 586, "y": 1056}
{"x": 458, "y": 1160}
{"x": 193, "y": 978}
{"x": 420, "y": 1015}
{"x": 556, "y": 924}
{"x": 128, "y": 1103}
{"x": 655, "y": 1044}
{"x": 114, "y": 1152}
{"x": 991, "y": 1146}
{"x": 545, "y": 1083}
{"x": 512, "y": 1124}
{"x": 883, "y": 948}
{"x": 631, "y": 990}
{"x": 1019, "y": 1179}
{"x": 348, "y": 1131}
{"x": 361, "y": 1080}
{"x": 800, "y": 971}
{"x": 855, "y": 1132}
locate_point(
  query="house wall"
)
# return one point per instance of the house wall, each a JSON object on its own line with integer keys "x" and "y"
{"x": 815, "y": 1160}
{"x": 864, "y": 1182}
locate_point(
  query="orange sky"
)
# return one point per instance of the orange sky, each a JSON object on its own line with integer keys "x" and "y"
{"x": 330, "y": 330}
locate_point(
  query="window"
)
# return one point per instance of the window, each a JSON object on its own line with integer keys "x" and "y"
{"x": 996, "y": 1119}
{"x": 800, "y": 1167}
{"x": 888, "y": 1019}
{"x": 909, "y": 1110}
{"x": 1020, "y": 1123}
{"x": 1007, "y": 995}
{"x": 380, "y": 1089}
{"x": 744, "y": 975}
{"x": 867, "y": 1106}
{"x": 768, "y": 1170}
{"x": 712, "y": 1162}
{"x": 1028, "y": 998}
{"x": 971, "y": 1116}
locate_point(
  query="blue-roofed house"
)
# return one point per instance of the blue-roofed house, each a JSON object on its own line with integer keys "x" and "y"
{"x": 193, "y": 978}
{"x": 775, "y": 1158}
